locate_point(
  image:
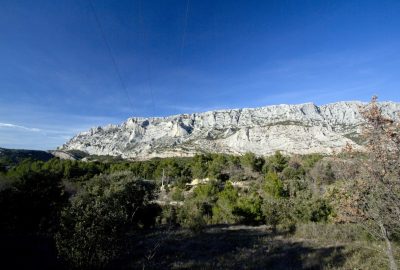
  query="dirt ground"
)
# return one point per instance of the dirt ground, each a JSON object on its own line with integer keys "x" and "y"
{"x": 232, "y": 247}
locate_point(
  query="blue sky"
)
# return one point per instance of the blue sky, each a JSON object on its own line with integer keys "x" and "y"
{"x": 66, "y": 66}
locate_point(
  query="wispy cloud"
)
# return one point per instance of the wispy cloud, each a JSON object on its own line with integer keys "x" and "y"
{"x": 8, "y": 125}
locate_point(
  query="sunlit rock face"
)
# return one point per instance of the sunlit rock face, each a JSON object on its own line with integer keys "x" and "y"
{"x": 292, "y": 129}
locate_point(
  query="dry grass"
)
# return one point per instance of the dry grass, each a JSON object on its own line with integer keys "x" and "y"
{"x": 247, "y": 247}
{"x": 359, "y": 249}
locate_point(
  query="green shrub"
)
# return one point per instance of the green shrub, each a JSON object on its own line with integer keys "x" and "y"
{"x": 199, "y": 166}
{"x": 168, "y": 216}
{"x": 225, "y": 205}
{"x": 277, "y": 162}
{"x": 276, "y": 212}
{"x": 320, "y": 211}
{"x": 307, "y": 208}
{"x": 310, "y": 160}
{"x": 30, "y": 200}
{"x": 290, "y": 173}
{"x": 177, "y": 194}
{"x": 248, "y": 209}
{"x": 3, "y": 166}
{"x": 274, "y": 186}
{"x": 207, "y": 192}
{"x": 196, "y": 211}
{"x": 168, "y": 167}
{"x": 251, "y": 162}
{"x": 216, "y": 166}
{"x": 195, "y": 215}
{"x": 94, "y": 226}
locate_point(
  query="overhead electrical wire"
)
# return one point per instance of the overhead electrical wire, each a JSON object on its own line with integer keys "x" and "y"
{"x": 114, "y": 62}
{"x": 145, "y": 38}
{"x": 148, "y": 69}
{"x": 185, "y": 23}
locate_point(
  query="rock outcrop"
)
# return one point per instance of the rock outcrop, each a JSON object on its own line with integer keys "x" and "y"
{"x": 293, "y": 129}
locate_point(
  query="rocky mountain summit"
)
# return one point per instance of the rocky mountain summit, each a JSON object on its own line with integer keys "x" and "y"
{"x": 293, "y": 129}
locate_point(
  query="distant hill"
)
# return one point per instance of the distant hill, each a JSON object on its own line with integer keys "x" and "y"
{"x": 10, "y": 157}
{"x": 14, "y": 156}
{"x": 292, "y": 129}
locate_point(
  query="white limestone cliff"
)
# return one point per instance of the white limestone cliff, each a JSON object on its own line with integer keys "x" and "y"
{"x": 293, "y": 129}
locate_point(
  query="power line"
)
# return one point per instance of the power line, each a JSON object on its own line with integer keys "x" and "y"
{"x": 117, "y": 71}
{"x": 185, "y": 26}
{"x": 148, "y": 69}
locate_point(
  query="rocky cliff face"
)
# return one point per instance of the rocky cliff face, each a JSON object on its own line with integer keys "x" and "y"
{"x": 300, "y": 129}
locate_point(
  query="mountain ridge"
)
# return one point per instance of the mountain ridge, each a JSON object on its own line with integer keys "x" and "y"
{"x": 294, "y": 129}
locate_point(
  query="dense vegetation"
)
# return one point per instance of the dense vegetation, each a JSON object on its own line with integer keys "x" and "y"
{"x": 90, "y": 209}
{"x": 91, "y": 214}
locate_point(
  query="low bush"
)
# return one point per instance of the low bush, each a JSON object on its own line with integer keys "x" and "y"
{"x": 248, "y": 209}
{"x": 94, "y": 227}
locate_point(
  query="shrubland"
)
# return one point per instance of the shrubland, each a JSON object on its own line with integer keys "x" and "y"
{"x": 98, "y": 214}
{"x": 90, "y": 209}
